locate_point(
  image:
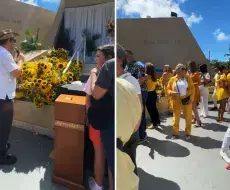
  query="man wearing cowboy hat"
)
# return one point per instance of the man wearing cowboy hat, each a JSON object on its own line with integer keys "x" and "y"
{"x": 9, "y": 71}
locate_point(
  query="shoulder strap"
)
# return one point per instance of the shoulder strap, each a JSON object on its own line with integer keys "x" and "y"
{"x": 177, "y": 87}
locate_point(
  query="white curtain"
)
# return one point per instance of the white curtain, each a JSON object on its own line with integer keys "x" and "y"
{"x": 93, "y": 18}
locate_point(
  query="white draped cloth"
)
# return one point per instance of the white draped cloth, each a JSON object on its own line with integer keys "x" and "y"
{"x": 93, "y": 18}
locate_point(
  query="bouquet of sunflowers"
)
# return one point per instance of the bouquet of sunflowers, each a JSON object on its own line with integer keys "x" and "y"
{"x": 159, "y": 88}
{"x": 110, "y": 26}
{"x": 40, "y": 79}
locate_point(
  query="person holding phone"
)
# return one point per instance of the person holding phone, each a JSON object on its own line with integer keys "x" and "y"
{"x": 10, "y": 69}
{"x": 181, "y": 91}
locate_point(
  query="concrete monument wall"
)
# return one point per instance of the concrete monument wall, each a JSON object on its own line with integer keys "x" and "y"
{"x": 21, "y": 16}
{"x": 160, "y": 40}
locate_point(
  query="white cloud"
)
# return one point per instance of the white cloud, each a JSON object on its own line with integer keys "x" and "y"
{"x": 221, "y": 36}
{"x": 157, "y": 8}
{"x": 31, "y": 2}
{"x": 51, "y": 1}
{"x": 35, "y": 2}
{"x": 193, "y": 19}
{"x": 181, "y": 1}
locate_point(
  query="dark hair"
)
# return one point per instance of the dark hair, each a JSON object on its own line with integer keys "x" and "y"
{"x": 129, "y": 51}
{"x": 150, "y": 70}
{"x": 3, "y": 42}
{"x": 222, "y": 68}
{"x": 107, "y": 50}
{"x": 192, "y": 66}
{"x": 203, "y": 68}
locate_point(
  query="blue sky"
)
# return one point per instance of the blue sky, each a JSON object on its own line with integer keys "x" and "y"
{"x": 208, "y": 19}
{"x": 46, "y": 4}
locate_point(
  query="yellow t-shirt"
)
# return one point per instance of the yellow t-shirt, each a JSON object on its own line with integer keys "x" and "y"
{"x": 221, "y": 90}
{"x": 150, "y": 85}
{"x": 126, "y": 178}
{"x": 128, "y": 115}
{"x": 228, "y": 77}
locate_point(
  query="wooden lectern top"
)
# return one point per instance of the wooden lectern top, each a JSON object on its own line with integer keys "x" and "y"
{"x": 64, "y": 98}
{"x": 70, "y": 109}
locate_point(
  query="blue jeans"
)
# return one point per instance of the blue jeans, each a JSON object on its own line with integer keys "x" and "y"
{"x": 142, "y": 128}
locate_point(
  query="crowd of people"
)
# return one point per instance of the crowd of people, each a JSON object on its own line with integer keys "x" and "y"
{"x": 187, "y": 92}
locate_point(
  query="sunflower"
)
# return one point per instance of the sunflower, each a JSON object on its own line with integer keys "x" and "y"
{"x": 70, "y": 79}
{"x": 60, "y": 66}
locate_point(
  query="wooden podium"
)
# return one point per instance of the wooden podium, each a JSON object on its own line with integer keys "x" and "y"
{"x": 69, "y": 129}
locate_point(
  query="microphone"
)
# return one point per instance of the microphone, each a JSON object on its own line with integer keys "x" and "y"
{"x": 17, "y": 51}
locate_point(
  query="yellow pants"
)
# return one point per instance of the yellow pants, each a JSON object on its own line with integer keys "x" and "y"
{"x": 187, "y": 112}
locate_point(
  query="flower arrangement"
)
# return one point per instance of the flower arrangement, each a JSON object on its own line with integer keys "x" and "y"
{"x": 110, "y": 26}
{"x": 40, "y": 79}
{"x": 159, "y": 88}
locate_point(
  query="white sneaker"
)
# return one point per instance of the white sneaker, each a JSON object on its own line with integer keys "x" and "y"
{"x": 225, "y": 156}
{"x": 93, "y": 185}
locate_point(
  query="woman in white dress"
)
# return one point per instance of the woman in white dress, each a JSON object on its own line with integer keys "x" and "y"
{"x": 204, "y": 92}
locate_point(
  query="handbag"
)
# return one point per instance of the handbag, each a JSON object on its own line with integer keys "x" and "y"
{"x": 186, "y": 100}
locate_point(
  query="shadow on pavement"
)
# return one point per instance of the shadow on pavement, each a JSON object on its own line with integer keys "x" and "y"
{"x": 33, "y": 153}
{"x": 215, "y": 118}
{"x": 166, "y": 148}
{"x": 215, "y": 127}
{"x": 202, "y": 142}
{"x": 150, "y": 182}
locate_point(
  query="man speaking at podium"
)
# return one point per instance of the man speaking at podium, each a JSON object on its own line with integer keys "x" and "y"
{"x": 9, "y": 71}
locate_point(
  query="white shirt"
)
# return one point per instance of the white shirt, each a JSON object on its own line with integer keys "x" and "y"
{"x": 181, "y": 86}
{"x": 87, "y": 88}
{"x": 127, "y": 76}
{"x": 7, "y": 82}
{"x": 207, "y": 76}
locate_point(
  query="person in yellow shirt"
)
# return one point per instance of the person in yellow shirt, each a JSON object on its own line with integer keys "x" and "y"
{"x": 181, "y": 90}
{"x": 222, "y": 92}
{"x": 195, "y": 76}
{"x": 167, "y": 75}
{"x": 129, "y": 111}
{"x": 151, "y": 102}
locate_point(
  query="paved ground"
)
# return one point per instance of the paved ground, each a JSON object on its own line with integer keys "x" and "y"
{"x": 33, "y": 170}
{"x": 180, "y": 165}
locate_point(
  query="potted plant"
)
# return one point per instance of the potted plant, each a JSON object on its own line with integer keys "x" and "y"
{"x": 31, "y": 42}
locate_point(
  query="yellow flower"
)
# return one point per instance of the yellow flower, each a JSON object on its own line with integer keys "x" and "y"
{"x": 70, "y": 79}
{"x": 19, "y": 94}
{"x": 60, "y": 65}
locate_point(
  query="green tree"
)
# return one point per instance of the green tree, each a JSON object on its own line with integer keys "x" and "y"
{"x": 31, "y": 42}
{"x": 216, "y": 63}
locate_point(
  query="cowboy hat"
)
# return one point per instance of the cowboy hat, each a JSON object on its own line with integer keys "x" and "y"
{"x": 7, "y": 34}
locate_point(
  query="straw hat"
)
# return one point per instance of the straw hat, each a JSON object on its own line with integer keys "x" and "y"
{"x": 7, "y": 34}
